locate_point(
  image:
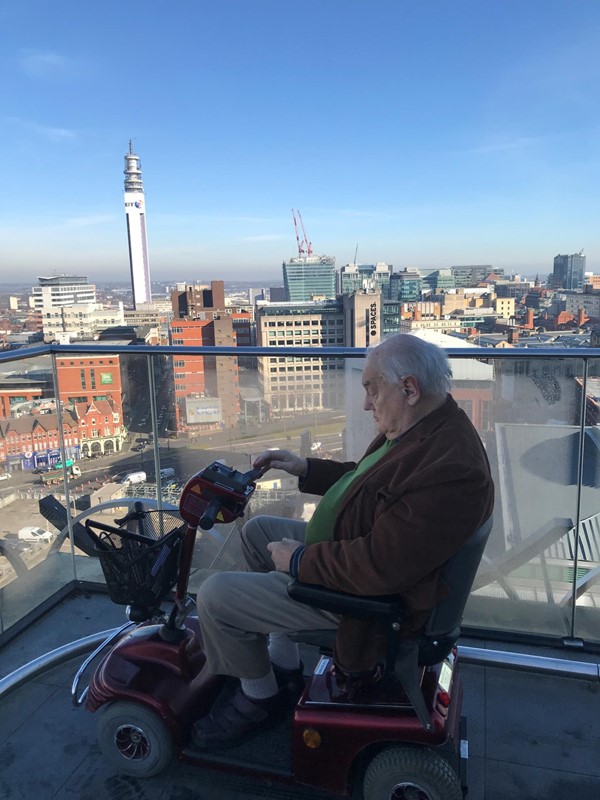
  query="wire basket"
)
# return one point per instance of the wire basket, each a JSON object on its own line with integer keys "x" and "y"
{"x": 139, "y": 568}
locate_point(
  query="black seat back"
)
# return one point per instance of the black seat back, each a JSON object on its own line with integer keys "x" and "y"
{"x": 458, "y": 574}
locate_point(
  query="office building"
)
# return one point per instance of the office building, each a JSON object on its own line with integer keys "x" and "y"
{"x": 62, "y": 290}
{"x": 308, "y": 277}
{"x": 190, "y": 301}
{"x": 406, "y": 286}
{"x": 207, "y": 396}
{"x": 358, "y": 277}
{"x": 472, "y": 274}
{"x": 135, "y": 213}
{"x": 300, "y": 384}
{"x": 439, "y": 280}
{"x": 79, "y": 321}
{"x": 569, "y": 271}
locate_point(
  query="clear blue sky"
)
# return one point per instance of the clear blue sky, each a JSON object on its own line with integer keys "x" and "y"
{"x": 429, "y": 133}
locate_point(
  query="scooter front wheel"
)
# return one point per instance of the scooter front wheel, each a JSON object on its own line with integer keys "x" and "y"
{"x": 410, "y": 773}
{"x": 134, "y": 739}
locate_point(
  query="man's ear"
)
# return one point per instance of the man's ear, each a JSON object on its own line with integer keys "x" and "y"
{"x": 411, "y": 390}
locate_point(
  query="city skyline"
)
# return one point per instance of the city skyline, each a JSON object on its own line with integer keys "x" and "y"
{"x": 419, "y": 136}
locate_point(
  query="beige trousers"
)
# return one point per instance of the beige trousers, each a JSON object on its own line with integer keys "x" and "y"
{"x": 238, "y": 610}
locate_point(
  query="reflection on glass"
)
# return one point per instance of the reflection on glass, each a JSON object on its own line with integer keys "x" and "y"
{"x": 120, "y": 447}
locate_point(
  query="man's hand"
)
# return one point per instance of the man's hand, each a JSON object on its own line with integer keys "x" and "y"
{"x": 281, "y": 552}
{"x": 282, "y": 459}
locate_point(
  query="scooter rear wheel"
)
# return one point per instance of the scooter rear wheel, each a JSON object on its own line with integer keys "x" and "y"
{"x": 134, "y": 739}
{"x": 410, "y": 773}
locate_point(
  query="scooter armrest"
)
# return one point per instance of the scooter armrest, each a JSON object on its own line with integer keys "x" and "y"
{"x": 382, "y": 607}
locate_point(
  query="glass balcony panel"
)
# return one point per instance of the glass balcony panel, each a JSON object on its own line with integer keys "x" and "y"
{"x": 586, "y": 590}
{"x": 33, "y": 566}
{"x": 305, "y": 413}
{"x": 527, "y": 411}
{"x": 533, "y": 438}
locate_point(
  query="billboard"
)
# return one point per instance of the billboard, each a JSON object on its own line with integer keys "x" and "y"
{"x": 202, "y": 410}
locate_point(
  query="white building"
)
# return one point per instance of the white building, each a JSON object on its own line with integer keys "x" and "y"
{"x": 62, "y": 290}
{"x": 135, "y": 212}
{"x": 79, "y": 321}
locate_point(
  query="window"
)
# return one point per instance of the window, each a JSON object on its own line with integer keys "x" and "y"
{"x": 82, "y": 377}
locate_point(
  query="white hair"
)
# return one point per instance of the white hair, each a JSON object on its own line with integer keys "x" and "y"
{"x": 403, "y": 354}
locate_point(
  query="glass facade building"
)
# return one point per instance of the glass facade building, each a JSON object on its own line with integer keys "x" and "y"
{"x": 569, "y": 271}
{"x": 309, "y": 277}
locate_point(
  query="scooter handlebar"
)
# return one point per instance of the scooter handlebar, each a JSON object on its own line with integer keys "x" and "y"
{"x": 209, "y": 517}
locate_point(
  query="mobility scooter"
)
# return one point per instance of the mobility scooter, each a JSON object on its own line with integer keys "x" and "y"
{"x": 398, "y": 738}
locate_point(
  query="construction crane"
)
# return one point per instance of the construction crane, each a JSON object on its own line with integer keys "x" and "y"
{"x": 304, "y": 245}
{"x": 307, "y": 241}
{"x": 300, "y": 248}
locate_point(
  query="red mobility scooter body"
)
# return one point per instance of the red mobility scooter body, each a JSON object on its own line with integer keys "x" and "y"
{"x": 152, "y": 685}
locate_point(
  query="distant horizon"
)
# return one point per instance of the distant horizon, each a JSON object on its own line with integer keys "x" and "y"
{"x": 265, "y": 282}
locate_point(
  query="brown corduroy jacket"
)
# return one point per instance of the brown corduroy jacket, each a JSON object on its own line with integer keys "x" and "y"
{"x": 398, "y": 524}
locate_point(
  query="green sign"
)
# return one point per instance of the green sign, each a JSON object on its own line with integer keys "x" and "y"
{"x": 106, "y": 377}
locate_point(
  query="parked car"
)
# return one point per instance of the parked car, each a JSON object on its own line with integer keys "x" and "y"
{"x": 34, "y": 534}
{"x": 134, "y": 477}
{"x": 4, "y": 476}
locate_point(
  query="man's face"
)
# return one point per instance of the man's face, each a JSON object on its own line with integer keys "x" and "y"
{"x": 387, "y": 401}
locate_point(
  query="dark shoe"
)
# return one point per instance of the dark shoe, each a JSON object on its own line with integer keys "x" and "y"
{"x": 290, "y": 681}
{"x": 238, "y": 718}
{"x": 352, "y": 682}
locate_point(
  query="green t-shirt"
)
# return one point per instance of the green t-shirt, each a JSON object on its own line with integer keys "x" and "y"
{"x": 320, "y": 527}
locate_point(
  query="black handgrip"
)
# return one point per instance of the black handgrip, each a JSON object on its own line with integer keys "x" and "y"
{"x": 122, "y": 532}
{"x": 209, "y": 517}
{"x": 255, "y": 473}
{"x": 137, "y": 512}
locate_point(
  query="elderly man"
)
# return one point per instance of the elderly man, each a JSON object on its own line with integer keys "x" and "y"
{"x": 385, "y": 525}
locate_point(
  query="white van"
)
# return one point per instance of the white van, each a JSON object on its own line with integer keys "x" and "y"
{"x": 167, "y": 472}
{"x": 33, "y": 534}
{"x": 134, "y": 477}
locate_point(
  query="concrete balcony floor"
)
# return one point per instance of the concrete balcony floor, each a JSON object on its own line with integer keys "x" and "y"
{"x": 531, "y": 737}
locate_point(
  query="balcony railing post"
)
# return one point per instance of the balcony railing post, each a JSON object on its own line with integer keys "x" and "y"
{"x": 61, "y": 439}
{"x": 580, "y": 457}
{"x": 153, "y": 418}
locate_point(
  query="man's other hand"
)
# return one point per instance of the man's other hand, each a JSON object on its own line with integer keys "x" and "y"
{"x": 281, "y": 553}
{"x": 282, "y": 459}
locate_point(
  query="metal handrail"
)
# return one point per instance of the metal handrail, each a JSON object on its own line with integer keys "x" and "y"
{"x": 51, "y": 659}
{"x": 79, "y": 700}
{"x": 468, "y": 353}
{"x": 475, "y": 656}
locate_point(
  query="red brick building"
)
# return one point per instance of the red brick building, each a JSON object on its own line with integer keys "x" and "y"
{"x": 86, "y": 379}
{"x": 207, "y": 394}
{"x": 33, "y": 441}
